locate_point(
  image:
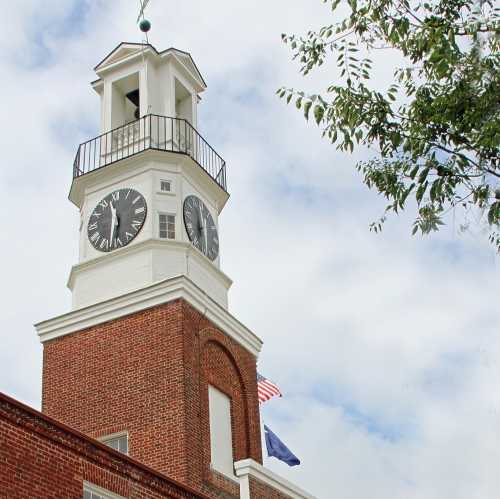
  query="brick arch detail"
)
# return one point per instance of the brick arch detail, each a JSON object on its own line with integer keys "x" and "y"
{"x": 212, "y": 356}
{"x": 219, "y": 368}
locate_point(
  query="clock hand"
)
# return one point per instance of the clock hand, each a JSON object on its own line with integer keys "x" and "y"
{"x": 202, "y": 228}
{"x": 201, "y": 219}
{"x": 116, "y": 227}
{"x": 113, "y": 223}
{"x": 205, "y": 231}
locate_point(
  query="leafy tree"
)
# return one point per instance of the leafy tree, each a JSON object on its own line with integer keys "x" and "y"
{"x": 436, "y": 128}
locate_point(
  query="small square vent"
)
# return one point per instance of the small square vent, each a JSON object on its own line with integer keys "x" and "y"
{"x": 166, "y": 186}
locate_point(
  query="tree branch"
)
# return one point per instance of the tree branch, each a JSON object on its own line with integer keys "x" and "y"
{"x": 491, "y": 172}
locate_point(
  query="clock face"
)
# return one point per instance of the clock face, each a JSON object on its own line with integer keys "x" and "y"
{"x": 200, "y": 227}
{"x": 117, "y": 220}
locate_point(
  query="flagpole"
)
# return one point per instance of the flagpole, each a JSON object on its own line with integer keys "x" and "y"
{"x": 262, "y": 436}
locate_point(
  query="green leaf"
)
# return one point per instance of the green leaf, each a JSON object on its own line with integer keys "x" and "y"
{"x": 319, "y": 111}
{"x": 414, "y": 172}
{"x": 307, "y": 108}
{"x": 423, "y": 175}
{"x": 494, "y": 214}
{"x": 420, "y": 192}
{"x": 435, "y": 190}
{"x": 436, "y": 126}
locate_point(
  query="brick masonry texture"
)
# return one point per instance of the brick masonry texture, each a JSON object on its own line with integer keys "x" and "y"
{"x": 259, "y": 490}
{"x": 41, "y": 459}
{"x": 148, "y": 374}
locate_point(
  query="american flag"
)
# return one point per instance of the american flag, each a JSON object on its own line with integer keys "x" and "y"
{"x": 266, "y": 389}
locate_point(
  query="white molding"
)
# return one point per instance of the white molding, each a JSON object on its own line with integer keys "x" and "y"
{"x": 106, "y": 494}
{"x": 105, "y": 439}
{"x": 225, "y": 475}
{"x": 170, "y": 55}
{"x": 112, "y": 436}
{"x": 165, "y": 193}
{"x": 148, "y": 297}
{"x": 148, "y": 160}
{"x": 248, "y": 468}
{"x": 192, "y": 73}
{"x": 137, "y": 53}
{"x": 154, "y": 242}
{"x": 245, "y": 487}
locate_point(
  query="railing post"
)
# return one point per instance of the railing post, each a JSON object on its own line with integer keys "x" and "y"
{"x": 76, "y": 163}
{"x": 194, "y": 145}
{"x": 100, "y": 151}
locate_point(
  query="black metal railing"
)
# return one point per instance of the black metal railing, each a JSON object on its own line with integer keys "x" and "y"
{"x": 160, "y": 133}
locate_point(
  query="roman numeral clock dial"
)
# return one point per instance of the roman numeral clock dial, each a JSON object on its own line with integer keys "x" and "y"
{"x": 200, "y": 227}
{"x": 117, "y": 220}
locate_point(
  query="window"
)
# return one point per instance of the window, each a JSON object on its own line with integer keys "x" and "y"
{"x": 118, "y": 442}
{"x": 166, "y": 226}
{"x": 88, "y": 494}
{"x": 221, "y": 439}
{"x": 91, "y": 491}
{"x": 165, "y": 186}
{"x": 183, "y": 103}
{"x": 125, "y": 101}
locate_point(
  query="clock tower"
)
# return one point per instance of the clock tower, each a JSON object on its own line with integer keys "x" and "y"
{"x": 150, "y": 188}
{"x": 149, "y": 360}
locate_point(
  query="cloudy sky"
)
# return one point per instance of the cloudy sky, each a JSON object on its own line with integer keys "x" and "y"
{"x": 386, "y": 346}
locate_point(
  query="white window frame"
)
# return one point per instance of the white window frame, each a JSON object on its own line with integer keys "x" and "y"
{"x": 171, "y": 192}
{"x": 115, "y": 436}
{"x": 168, "y": 214}
{"x": 105, "y": 494}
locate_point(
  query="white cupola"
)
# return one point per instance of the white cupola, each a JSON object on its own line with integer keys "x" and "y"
{"x": 136, "y": 80}
{"x": 149, "y": 188}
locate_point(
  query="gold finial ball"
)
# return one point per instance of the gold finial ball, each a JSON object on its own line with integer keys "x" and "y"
{"x": 144, "y": 25}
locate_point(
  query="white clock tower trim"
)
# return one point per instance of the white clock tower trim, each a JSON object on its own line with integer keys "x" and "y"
{"x": 149, "y": 144}
{"x": 148, "y": 297}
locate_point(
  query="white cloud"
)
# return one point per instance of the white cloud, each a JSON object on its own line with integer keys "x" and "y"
{"x": 386, "y": 345}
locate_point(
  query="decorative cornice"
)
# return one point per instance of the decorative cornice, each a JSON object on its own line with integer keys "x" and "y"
{"x": 180, "y": 287}
{"x": 150, "y": 244}
{"x": 142, "y": 49}
{"x": 248, "y": 468}
{"x": 143, "y": 161}
{"x": 95, "y": 452}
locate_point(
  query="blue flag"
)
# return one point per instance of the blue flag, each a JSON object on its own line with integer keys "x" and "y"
{"x": 276, "y": 448}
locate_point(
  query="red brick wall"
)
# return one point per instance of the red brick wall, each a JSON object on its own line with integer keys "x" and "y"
{"x": 213, "y": 358}
{"x": 41, "y": 459}
{"x": 259, "y": 490}
{"x": 148, "y": 373}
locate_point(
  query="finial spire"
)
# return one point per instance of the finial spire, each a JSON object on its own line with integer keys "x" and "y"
{"x": 144, "y": 4}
